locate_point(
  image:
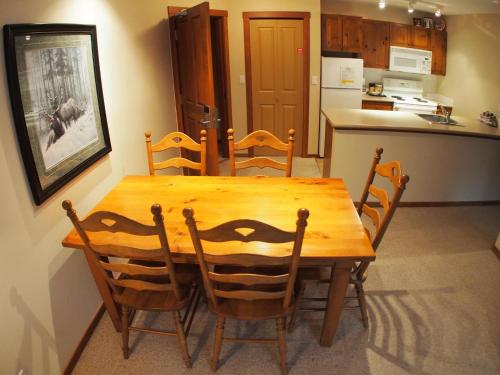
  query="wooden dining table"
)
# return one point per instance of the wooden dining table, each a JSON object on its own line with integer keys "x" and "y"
{"x": 334, "y": 235}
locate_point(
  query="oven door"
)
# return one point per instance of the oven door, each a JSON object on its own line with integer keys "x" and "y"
{"x": 414, "y": 108}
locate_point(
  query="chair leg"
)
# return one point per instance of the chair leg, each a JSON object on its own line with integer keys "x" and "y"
{"x": 125, "y": 331}
{"x": 360, "y": 292}
{"x": 182, "y": 338}
{"x": 280, "y": 329}
{"x": 298, "y": 300}
{"x": 219, "y": 336}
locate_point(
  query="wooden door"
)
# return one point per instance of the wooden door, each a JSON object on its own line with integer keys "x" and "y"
{"x": 438, "y": 47}
{"x": 376, "y": 44}
{"x": 331, "y": 32}
{"x": 420, "y": 38}
{"x": 400, "y": 35}
{"x": 277, "y": 58}
{"x": 352, "y": 34}
{"x": 196, "y": 79}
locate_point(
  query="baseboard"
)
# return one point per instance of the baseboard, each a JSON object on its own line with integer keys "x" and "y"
{"x": 439, "y": 204}
{"x": 84, "y": 340}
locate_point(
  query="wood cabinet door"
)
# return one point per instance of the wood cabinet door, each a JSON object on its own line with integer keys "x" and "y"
{"x": 331, "y": 32}
{"x": 375, "y": 44}
{"x": 420, "y": 38}
{"x": 400, "y": 35}
{"x": 352, "y": 34}
{"x": 438, "y": 47}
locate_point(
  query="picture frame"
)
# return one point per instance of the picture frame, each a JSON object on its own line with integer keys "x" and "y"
{"x": 57, "y": 102}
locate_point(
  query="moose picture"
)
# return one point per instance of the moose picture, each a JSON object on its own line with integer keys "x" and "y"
{"x": 59, "y": 89}
{"x": 56, "y": 95}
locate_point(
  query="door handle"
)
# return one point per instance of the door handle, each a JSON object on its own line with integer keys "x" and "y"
{"x": 205, "y": 122}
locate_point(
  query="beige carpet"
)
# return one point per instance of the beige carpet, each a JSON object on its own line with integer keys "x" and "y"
{"x": 433, "y": 304}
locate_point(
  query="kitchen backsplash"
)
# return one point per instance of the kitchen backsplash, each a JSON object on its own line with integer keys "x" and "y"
{"x": 430, "y": 82}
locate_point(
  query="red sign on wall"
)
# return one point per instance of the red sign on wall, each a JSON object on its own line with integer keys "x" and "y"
{"x": 300, "y": 50}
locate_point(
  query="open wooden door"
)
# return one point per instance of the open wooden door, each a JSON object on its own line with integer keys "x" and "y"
{"x": 192, "y": 47}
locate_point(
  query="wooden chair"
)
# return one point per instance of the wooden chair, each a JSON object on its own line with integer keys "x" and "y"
{"x": 181, "y": 141}
{"x": 392, "y": 172}
{"x": 139, "y": 279}
{"x": 253, "y": 287}
{"x": 260, "y": 138}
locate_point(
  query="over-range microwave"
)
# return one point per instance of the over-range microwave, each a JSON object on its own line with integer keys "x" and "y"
{"x": 410, "y": 60}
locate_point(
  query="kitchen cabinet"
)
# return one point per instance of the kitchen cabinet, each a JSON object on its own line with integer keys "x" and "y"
{"x": 376, "y": 44}
{"x": 420, "y": 38}
{"x": 341, "y": 33}
{"x": 331, "y": 32}
{"x": 438, "y": 48}
{"x": 352, "y": 34}
{"x": 378, "y": 105}
{"x": 400, "y": 35}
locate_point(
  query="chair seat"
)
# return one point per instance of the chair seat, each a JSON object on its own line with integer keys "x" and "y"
{"x": 251, "y": 310}
{"x": 186, "y": 275}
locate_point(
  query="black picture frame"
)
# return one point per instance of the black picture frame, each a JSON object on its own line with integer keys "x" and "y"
{"x": 57, "y": 102}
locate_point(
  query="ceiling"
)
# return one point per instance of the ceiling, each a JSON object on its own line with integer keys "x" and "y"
{"x": 450, "y": 7}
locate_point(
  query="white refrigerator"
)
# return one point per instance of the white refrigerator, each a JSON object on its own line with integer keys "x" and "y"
{"x": 341, "y": 87}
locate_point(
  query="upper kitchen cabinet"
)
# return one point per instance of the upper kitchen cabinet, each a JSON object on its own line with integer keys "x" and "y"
{"x": 341, "y": 33}
{"x": 420, "y": 38}
{"x": 438, "y": 47}
{"x": 331, "y": 32}
{"x": 352, "y": 34}
{"x": 400, "y": 35}
{"x": 376, "y": 44}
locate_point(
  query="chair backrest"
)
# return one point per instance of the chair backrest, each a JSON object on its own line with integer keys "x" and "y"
{"x": 129, "y": 267}
{"x": 392, "y": 172}
{"x": 261, "y": 138}
{"x": 180, "y": 141}
{"x": 251, "y": 285}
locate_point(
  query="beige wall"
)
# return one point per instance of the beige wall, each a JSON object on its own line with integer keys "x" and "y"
{"x": 472, "y": 75}
{"x": 235, "y": 9}
{"x": 48, "y": 297}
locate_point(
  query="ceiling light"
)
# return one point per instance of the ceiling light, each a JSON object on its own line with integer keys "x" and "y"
{"x": 411, "y": 6}
{"x": 438, "y": 12}
{"x": 381, "y": 4}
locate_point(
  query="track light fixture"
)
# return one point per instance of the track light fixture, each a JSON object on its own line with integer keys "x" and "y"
{"x": 438, "y": 12}
{"x": 381, "y": 4}
{"x": 411, "y": 6}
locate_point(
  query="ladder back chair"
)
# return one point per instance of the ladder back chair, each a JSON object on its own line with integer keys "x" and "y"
{"x": 249, "y": 286}
{"x": 380, "y": 220}
{"x": 139, "y": 278}
{"x": 180, "y": 141}
{"x": 261, "y": 138}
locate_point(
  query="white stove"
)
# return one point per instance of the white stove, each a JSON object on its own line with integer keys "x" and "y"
{"x": 408, "y": 96}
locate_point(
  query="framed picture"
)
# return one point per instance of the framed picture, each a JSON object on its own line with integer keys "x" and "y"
{"x": 57, "y": 102}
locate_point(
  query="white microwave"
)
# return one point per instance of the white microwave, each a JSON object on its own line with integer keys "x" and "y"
{"x": 410, "y": 60}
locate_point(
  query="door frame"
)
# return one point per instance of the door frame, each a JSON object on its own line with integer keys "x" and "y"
{"x": 222, "y": 14}
{"x": 305, "y": 17}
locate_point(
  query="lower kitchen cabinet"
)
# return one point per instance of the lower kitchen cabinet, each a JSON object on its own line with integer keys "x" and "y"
{"x": 375, "y": 104}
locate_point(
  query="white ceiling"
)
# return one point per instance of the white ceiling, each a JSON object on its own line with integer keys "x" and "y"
{"x": 448, "y": 6}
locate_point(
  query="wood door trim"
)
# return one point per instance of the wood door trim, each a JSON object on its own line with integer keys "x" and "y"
{"x": 171, "y": 12}
{"x": 305, "y": 17}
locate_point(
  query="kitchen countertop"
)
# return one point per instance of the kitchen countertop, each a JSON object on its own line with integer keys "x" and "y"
{"x": 366, "y": 119}
{"x": 372, "y": 98}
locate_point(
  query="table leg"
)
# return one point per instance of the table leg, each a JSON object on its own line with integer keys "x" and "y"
{"x": 104, "y": 291}
{"x": 336, "y": 293}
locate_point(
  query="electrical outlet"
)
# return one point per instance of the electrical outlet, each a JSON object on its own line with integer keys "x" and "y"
{"x": 314, "y": 80}
{"x": 242, "y": 79}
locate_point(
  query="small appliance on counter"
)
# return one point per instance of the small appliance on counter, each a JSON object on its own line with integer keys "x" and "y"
{"x": 375, "y": 89}
{"x": 489, "y": 118}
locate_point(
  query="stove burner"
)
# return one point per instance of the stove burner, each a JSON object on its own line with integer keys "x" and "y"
{"x": 398, "y": 97}
{"x": 421, "y": 100}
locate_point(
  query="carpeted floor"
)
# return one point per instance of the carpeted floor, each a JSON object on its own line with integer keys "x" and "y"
{"x": 433, "y": 304}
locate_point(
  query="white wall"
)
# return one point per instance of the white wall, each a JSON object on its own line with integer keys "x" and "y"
{"x": 48, "y": 296}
